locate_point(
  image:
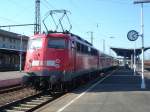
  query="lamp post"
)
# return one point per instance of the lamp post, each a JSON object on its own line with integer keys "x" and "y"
{"x": 110, "y": 46}
{"x": 135, "y": 58}
{"x": 143, "y": 86}
{"x": 91, "y": 32}
{"x": 103, "y": 45}
{"x": 20, "y": 54}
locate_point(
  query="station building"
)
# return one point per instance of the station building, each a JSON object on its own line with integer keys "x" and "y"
{"x": 11, "y": 46}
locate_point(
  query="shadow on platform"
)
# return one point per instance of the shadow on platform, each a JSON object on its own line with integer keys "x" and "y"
{"x": 123, "y": 80}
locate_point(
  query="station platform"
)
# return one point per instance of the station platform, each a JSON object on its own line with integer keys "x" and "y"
{"x": 11, "y": 78}
{"x": 119, "y": 91}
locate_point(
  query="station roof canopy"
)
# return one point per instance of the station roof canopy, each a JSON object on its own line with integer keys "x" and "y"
{"x": 5, "y": 33}
{"x": 127, "y": 52}
{"x": 11, "y": 51}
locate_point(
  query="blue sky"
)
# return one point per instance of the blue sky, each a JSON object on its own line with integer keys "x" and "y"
{"x": 114, "y": 18}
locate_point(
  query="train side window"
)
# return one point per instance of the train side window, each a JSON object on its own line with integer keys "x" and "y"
{"x": 82, "y": 48}
{"x": 89, "y": 49}
{"x": 94, "y": 52}
{"x": 78, "y": 47}
{"x": 86, "y": 49}
{"x": 73, "y": 44}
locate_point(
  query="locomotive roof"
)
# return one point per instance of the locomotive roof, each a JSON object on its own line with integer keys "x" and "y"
{"x": 68, "y": 33}
{"x": 81, "y": 39}
{"x": 76, "y": 37}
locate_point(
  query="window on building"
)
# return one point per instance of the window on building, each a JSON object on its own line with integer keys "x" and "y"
{"x": 3, "y": 46}
{"x": 10, "y": 40}
{"x": 3, "y": 38}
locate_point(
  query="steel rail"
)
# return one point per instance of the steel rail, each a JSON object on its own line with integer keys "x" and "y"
{"x": 11, "y": 88}
{"x": 30, "y": 103}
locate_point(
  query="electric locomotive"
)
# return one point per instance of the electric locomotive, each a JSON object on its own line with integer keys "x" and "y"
{"x": 55, "y": 59}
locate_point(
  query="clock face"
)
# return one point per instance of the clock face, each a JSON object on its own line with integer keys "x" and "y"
{"x": 132, "y": 35}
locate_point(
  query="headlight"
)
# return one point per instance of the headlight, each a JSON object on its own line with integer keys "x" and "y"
{"x": 35, "y": 63}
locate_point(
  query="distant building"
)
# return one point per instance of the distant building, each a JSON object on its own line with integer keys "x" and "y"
{"x": 10, "y": 47}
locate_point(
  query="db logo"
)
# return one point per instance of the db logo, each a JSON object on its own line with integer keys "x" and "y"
{"x": 57, "y": 61}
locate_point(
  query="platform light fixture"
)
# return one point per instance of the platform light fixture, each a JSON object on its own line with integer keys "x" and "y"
{"x": 111, "y": 37}
{"x": 143, "y": 86}
{"x": 141, "y": 1}
{"x": 91, "y": 33}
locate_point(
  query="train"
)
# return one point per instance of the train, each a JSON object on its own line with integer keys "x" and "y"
{"x": 57, "y": 60}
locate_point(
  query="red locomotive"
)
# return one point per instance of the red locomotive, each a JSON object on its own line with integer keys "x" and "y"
{"x": 59, "y": 58}
{"x": 56, "y": 60}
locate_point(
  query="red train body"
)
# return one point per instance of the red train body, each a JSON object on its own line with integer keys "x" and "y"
{"x": 59, "y": 58}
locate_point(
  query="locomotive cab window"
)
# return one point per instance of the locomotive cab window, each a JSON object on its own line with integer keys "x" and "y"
{"x": 35, "y": 43}
{"x": 57, "y": 43}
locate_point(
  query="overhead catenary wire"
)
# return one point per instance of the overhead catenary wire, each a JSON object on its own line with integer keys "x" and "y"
{"x": 8, "y": 19}
{"x": 48, "y": 4}
{"x": 116, "y": 2}
{"x": 22, "y": 10}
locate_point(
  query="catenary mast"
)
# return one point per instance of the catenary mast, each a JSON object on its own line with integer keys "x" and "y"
{"x": 37, "y": 27}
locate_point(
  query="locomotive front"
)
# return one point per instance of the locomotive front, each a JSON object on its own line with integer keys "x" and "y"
{"x": 45, "y": 59}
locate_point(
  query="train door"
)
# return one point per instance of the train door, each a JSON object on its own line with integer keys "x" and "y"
{"x": 73, "y": 53}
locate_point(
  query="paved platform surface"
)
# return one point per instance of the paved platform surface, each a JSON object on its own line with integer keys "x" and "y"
{"x": 119, "y": 92}
{"x": 10, "y": 78}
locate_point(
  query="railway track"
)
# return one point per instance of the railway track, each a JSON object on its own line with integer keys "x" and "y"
{"x": 14, "y": 93}
{"x": 34, "y": 101}
{"x": 11, "y": 88}
{"x": 29, "y": 104}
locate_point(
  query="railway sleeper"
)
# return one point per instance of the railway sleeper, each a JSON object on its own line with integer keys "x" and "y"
{"x": 37, "y": 100}
{"x": 21, "y": 108}
{"x": 33, "y": 103}
{"x": 28, "y": 105}
{"x": 44, "y": 98}
{"x": 8, "y": 110}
